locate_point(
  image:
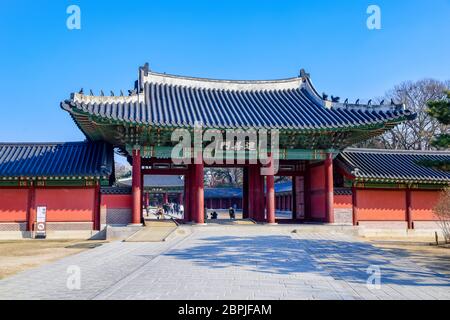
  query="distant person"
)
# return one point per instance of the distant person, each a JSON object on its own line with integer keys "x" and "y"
{"x": 232, "y": 214}
{"x": 181, "y": 209}
{"x": 214, "y": 215}
{"x": 160, "y": 213}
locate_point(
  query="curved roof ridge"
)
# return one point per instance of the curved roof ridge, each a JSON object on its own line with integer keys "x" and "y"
{"x": 222, "y": 84}
{"x": 396, "y": 151}
{"x": 42, "y": 143}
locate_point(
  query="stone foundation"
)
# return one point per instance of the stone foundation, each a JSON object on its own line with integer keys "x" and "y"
{"x": 343, "y": 216}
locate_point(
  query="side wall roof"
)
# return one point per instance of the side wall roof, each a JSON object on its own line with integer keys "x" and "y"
{"x": 394, "y": 166}
{"x": 67, "y": 159}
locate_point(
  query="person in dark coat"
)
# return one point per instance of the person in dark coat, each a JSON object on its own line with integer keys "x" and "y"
{"x": 231, "y": 212}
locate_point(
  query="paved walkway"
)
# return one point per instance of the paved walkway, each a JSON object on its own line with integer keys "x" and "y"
{"x": 232, "y": 262}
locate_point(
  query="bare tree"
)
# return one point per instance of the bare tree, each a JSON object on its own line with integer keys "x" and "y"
{"x": 122, "y": 170}
{"x": 442, "y": 210}
{"x": 416, "y": 134}
{"x": 224, "y": 177}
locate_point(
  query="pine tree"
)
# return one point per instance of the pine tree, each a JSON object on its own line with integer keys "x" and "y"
{"x": 440, "y": 110}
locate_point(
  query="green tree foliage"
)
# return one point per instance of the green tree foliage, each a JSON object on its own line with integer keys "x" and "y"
{"x": 440, "y": 110}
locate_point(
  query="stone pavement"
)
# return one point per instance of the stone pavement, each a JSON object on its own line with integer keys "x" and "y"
{"x": 233, "y": 262}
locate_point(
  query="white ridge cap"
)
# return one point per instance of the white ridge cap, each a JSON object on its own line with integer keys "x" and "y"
{"x": 397, "y": 151}
{"x": 205, "y": 83}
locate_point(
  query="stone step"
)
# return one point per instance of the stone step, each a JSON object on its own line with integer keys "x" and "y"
{"x": 230, "y": 222}
{"x": 326, "y": 228}
{"x": 152, "y": 234}
{"x": 159, "y": 223}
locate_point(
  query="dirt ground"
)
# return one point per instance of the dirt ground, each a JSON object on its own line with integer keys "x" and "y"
{"x": 436, "y": 258}
{"x": 20, "y": 255}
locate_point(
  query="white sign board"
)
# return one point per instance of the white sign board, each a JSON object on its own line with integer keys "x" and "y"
{"x": 41, "y": 219}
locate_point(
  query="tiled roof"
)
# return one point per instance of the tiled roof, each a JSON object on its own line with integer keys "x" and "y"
{"x": 68, "y": 159}
{"x": 115, "y": 190}
{"x": 174, "y": 101}
{"x": 342, "y": 191}
{"x": 161, "y": 181}
{"x": 283, "y": 187}
{"x": 393, "y": 165}
{"x": 224, "y": 193}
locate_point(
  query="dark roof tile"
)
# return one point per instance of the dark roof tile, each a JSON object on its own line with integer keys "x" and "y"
{"x": 394, "y": 165}
{"x": 68, "y": 159}
{"x": 181, "y": 102}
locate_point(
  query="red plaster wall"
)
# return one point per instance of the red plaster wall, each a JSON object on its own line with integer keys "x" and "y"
{"x": 373, "y": 205}
{"x": 117, "y": 201}
{"x": 13, "y": 205}
{"x": 343, "y": 201}
{"x": 422, "y": 203}
{"x": 67, "y": 204}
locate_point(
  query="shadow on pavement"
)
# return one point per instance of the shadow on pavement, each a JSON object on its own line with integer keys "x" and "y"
{"x": 343, "y": 260}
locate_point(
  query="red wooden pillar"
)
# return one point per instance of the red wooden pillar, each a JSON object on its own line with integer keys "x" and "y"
{"x": 192, "y": 208}
{"x": 294, "y": 197}
{"x": 187, "y": 194}
{"x": 258, "y": 194}
{"x": 136, "y": 188}
{"x": 307, "y": 191}
{"x": 165, "y": 197}
{"x": 198, "y": 192}
{"x": 329, "y": 189}
{"x": 180, "y": 198}
{"x": 409, "y": 209}
{"x": 251, "y": 192}
{"x": 354, "y": 207}
{"x": 31, "y": 207}
{"x": 261, "y": 193}
{"x": 97, "y": 206}
{"x": 270, "y": 200}
{"x": 145, "y": 198}
{"x": 245, "y": 193}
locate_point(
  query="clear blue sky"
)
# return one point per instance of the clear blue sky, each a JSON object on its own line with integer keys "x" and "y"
{"x": 41, "y": 61}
